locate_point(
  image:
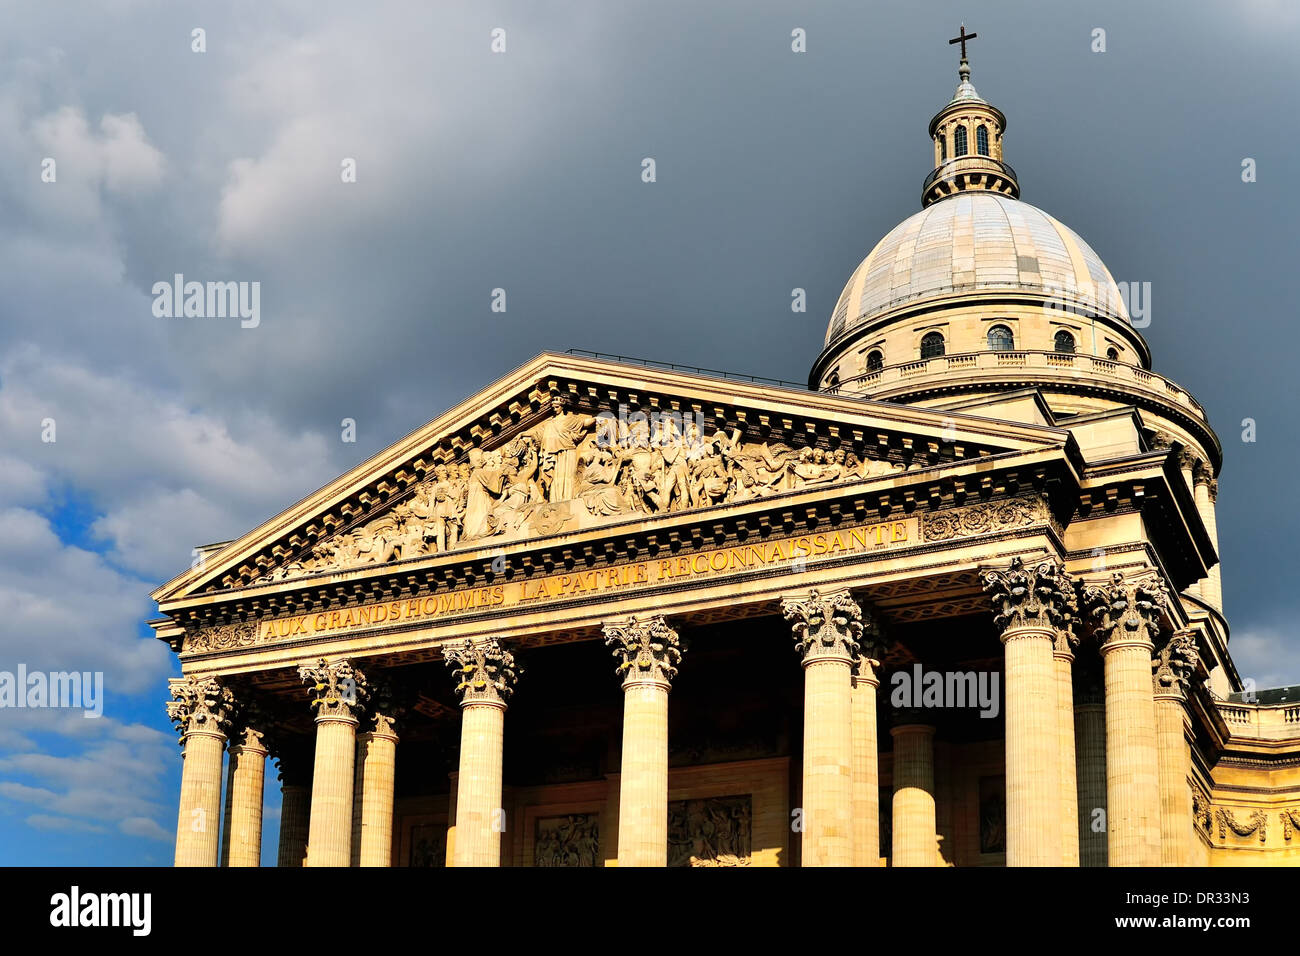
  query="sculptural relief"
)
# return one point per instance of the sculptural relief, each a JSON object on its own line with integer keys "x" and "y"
{"x": 576, "y": 470}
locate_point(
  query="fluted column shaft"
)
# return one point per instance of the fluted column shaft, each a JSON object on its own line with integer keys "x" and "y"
{"x": 1090, "y": 759}
{"x": 866, "y": 768}
{"x": 1175, "y": 795}
{"x": 1032, "y": 747}
{"x": 1132, "y": 781}
{"x": 828, "y": 834}
{"x": 295, "y": 810}
{"x": 915, "y": 831}
{"x": 329, "y": 834}
{"x": 199, "y": 823}
{"x": 244, "y": 797}
{"x": 1063, "y": 660}
{"x": 643, "y": 778}
{"x": 479, "y": 816}
{"x": 372, "y": 835}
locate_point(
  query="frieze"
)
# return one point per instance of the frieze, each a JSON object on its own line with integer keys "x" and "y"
{"x": 994, "y": 517}
{"x": 795, "y": 553}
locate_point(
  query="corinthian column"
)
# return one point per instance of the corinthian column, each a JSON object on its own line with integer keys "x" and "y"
{"x": 372, "y": 813}
{"x": 1125, "y": 616}
{"x": 648, "y": 653}
{"x": 827, "y": 633}
{"x": 866, "y": 748}
{"x": 293, "y": 758}
{"x": 1174, "y": 665}
{"x": 1063, "y": 659}
{"x": 244, "y": 798}
{"x": 485, "y": 676}
{"x": 338, "y": 694}
{"x": 1090, "y": 760}
{"x": 201, "y": 710}
{"x": 915, "y": 836}
{"x": 1030, "y": 607}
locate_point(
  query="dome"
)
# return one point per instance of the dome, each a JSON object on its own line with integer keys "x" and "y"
{"x": 976, "y": 242}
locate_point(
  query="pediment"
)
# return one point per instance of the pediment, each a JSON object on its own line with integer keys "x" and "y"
{"x": 567, "y": 443}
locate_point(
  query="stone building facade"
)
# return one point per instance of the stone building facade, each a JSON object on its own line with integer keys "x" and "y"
{"x": 956, "y": 603}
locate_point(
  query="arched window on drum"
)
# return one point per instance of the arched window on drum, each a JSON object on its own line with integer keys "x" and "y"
{"x": 1001, "y": 339}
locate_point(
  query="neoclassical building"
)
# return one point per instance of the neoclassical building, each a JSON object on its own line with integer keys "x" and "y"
{"x": 955, "y": 603}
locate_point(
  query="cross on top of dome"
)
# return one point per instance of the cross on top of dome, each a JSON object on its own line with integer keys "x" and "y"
{"x": 965, "y": 90}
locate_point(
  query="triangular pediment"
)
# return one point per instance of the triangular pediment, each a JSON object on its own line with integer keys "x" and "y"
{"x": 568, "y": 443}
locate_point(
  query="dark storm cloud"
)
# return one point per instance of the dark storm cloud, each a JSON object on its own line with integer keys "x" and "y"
{"x": 522, "y": 171}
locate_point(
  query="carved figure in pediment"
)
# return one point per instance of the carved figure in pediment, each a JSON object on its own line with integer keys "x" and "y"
{"x": 446, "y": 496}
{"x": 559, "y": 436}
{"x": 598, "y": 487}
{"x": 679, "y": 446}
{"x": 812, "y": 468}
{"x": 484, "y": 488}
{"x": 644, "y": 471}
{"x": 710, "y": 477}
{"x": 519, "y": 499}
{"x": 768, "y": 467}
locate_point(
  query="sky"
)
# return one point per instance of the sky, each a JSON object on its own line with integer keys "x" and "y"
{"x": 521, "y": 170}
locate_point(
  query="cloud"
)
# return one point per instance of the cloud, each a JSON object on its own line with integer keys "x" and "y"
{"x": 149, "y": 829}
{"x": 115, "y": 775}
{"x": 43, "y": 821}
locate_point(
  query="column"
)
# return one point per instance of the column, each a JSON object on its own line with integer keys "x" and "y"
{"x": 373, "y": 789}
{"x": 295, "y": 808}
{"x": 454, "y": 777}
{"x": 485, "y": 676}
{"x": 827, "y": 632}
{"x": 1174, "y": 666}
{"x": 915, "y": 829}
{"x": 1030, "y": 605}
{"x": 1125, "y": 615}
{"x": 1206, "y": 493}
{"x": 244, "y": 798}
{"x": 648, "y": 653}
{"x": 339, "y": 693}
{"x": 1090, "y": 762}
{"x": 866, "y": 748}
{"x": 201, "y": 709}
{"x": 1063, "y": 659}
{"x": 294, "y": 758}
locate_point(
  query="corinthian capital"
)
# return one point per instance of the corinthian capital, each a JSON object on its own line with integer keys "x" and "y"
{"x": 1126, "y": 610}
{"x": 338, "y": 689}
{"x": 825, "y": 627}
{"x": 1174, "y": 664}
{"x": 200, "y": 705}
{"x": 485, "y": 672}
{"x": 1039, "y": 596}
{"x": 646, "y": 651}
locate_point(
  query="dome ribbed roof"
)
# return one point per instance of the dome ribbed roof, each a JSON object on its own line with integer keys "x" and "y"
{"x": 975, "y": 242}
